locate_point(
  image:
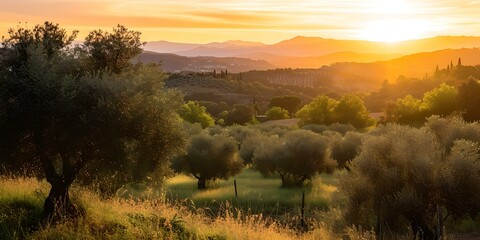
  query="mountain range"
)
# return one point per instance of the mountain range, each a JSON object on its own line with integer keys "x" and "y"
{"x": 413, "y": 58}
{"x": 314, "y": 47}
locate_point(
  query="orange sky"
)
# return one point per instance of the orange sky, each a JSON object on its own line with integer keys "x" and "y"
{"x": 268, "y": 21}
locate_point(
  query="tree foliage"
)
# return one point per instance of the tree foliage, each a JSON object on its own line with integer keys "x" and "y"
{"x": 441, "y": 100}
{"x": 351, "y": 110}
{"x": 469, "y": 99}
{"x": 277, "y": 113}
{"x": 47, "y": 36}
{"x": 66, "y": 126}
{"x": 240, "y": 114}
{"x": 296, "y": 157}
{"x": 194, "y": 113}
{"x": 405, "y": 173}
{"x": 393, "y": 178}
{"x": 319, "y": 111}
{"x": 290, "y": 103}
{"x": 345, "y": 148}
{"x": 209, "y": 158}
{"x": 112, "y": 51}
{"x": 250, "y": 144}
{"x": 324, "y": 110}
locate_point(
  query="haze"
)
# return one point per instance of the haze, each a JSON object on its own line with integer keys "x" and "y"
{"x": 268, "y": 21}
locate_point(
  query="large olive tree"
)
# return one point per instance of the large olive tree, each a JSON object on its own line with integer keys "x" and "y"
{"x": 63, "y": 126}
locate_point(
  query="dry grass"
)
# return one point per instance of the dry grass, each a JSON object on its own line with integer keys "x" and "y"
{"x": 129, "y": 219}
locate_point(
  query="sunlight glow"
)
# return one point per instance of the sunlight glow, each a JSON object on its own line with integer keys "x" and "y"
{"x": 390, "y": 7}
{"x": 394, "y": 30}
{"x": 267, "y": 21}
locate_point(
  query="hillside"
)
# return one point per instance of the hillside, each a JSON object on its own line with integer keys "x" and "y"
{"x": 315, "y": 62}
{"x": 308, "y": 52}
{"x": 364, "y": 77}
{"x": 201, "y": 87}
{"x": 312, "y": 52}
{"x": 419, "y": 64}
{"x": 176, "y": 63}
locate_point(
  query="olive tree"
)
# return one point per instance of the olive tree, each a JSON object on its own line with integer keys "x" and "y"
{"x": 296, "y": 157}
{"x": 345, "y": 148}
{"x": 459, "y": 180}
{"x": 407, "y": 176}
{"x": 250, "y": 144}
{"x": 66, "y": 126}
{"x": 209, "y": 158}
{"x": 447, "y": 130}
{"x": 393, "y": 178}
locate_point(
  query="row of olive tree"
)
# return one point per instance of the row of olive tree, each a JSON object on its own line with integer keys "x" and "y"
{"x": 85, "y": 113}
{"x": 295, "y": 155}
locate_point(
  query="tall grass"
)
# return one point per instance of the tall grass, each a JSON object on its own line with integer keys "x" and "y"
{"x": 21, "y": 203}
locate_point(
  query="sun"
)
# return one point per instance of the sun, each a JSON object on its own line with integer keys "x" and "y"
{"x": 394, "y": 30}
{"x": 392, "y": 21}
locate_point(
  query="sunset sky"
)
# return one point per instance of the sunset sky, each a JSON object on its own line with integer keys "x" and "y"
{"x": 268, "y": 21}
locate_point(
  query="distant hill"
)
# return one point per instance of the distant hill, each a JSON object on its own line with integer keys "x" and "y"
{"x": 313, "y": 52}
{"x": 176, "y": 63}
{"x": 345, "y": 77}
{"x": 419, "y": 64}
{"x": 168, "y": 47}
{"x": 315, "y": 62}
{"x": 216, "y": 49}
{"x": 315, "y": 46}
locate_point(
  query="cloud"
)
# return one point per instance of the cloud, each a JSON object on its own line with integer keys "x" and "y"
{"x": 334, "y": 18}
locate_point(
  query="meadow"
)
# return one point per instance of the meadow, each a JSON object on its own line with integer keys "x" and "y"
{"x": 21, "y": 203}
{"x": 256, "y": 194}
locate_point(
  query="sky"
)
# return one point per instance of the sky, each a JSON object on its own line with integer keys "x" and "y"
{"x": 267, "y": 21}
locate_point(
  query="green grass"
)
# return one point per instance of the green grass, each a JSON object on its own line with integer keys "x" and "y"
{"x": 21, "y": 202}
{"x": 256, "y": 194}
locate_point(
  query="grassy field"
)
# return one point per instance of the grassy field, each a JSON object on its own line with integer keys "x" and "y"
{"x": 257, "y": 194}
{"x": 21, "y": 202}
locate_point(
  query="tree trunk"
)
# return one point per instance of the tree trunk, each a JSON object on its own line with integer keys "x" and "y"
{"x": 420, "y": 229}
{"x": 58, "y": 205}
{"x": 202, "y": 183}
